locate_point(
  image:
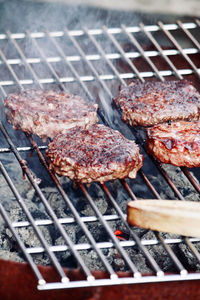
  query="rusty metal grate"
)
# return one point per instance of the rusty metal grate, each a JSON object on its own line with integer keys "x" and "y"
{"x": 94, "y": 63}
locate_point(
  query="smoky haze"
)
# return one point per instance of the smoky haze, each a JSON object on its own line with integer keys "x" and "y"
{"x": 19, "y": 15}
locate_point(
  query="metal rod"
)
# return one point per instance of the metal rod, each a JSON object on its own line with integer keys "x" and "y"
{"x": 177, "y": 45}
{"x": 98, "y": 31}
{"x": 161, "y": 51}
{"x": 151, "y": 260}
{"x": 74, "y": 211}
{"x": 81, "y": 52}
{"x": 28, "y": 257}
{"x": 47, "y": 206}
{"x": 73, "y": 70}
{"x": 140, "y": 49}
{"x": 174, "y": 258}
{"x": 13, "y": 41}
{"x": 188, "y": 33}
{"x": 118, "y": 46}
{"x": 45, "y": 59}
{"x": 96, "y": 57}
{"x": 103, "y": 54}
{"x": 115, "y": 240}
{"x": 32, "y": 221}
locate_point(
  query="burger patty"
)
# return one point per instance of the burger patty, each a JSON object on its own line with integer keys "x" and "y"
{"x": 98, "y": 153}
{"x": 46, "y": 113}
{"x": 151, "y": 103}
{"x": 177, "y": 143}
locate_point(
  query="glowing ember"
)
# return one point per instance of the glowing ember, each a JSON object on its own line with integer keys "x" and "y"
{"x": 121, "y": 235}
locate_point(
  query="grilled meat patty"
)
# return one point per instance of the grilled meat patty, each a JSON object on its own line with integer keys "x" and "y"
{"x": 152, "y": 103}
{"x": 98, "y": 153}
{"x": 46, "y": 113}
{"x": 177, "y": 143}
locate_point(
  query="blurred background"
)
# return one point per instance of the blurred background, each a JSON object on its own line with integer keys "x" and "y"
{"x": 19, "y": 15}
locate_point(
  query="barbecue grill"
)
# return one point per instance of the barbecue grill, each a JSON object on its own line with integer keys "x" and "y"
{"x": 94, "y": 63}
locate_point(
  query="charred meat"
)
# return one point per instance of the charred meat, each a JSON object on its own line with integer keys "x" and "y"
{"x": 151, "y": 103}
{"x": 177, "y": 143}
{"x": 46, "y": 113}
{"x": 98, "y": 153}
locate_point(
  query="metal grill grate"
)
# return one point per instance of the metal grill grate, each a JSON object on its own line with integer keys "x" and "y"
{"x": 95, "y": 63}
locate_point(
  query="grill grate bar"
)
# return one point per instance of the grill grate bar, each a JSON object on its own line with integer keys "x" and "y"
{"x": 125, "y": 256}
{"x": 132, "y": 234}
{"x": 170, "y": 252}
{"x": 141, "y": 51}
{"x": 64, "y": 221}
{"x": 108, "y": 245}
{"x": 28, "y": 257}
{"x": 88, "y": 234}
{"x": 191, "y": 179}
{"x": 77, "y": 33}
{"x": 44, "y": 58}
{"x": 172, "y": 39}
{"x": 94, "y": 57}
{"x": 162, "y": 241}
{"x": 31, "y": 220}
{"x": 105, "y": 77}
{"x": 81, "y": 52}
{"x": 174, "y": 258}
{"x": 100, "y": 49}
{"x": 124, "y": 244}
{"x": 186, "y": 172}
{"x": 74, "y": 211}
{"x": 11, "y": 71}
{"x": 112, "y": 34}
{"x": 70, "y": 66}
{"x": 161, "y": 51}
{"x": 13, "y": 41}
{"x": 191, "y": 37}
{"x": 28, "y": 173}
{"x": 163, "y": 172}
{"x": 117, "y": 45}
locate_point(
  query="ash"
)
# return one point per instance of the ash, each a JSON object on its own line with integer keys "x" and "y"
{"x": 10, "y": 250}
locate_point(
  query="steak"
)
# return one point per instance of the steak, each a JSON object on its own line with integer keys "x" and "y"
{"x": 177, "y": 143}
{"x": 46, "y": 113}
{"x": 151, "y": 103}
{"x": 98, "y": 153}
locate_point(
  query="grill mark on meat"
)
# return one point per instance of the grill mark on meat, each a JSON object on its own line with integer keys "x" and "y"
{"x": 98, "y": 153}
{"x": 150, "y": 103}
{"x": 46, "y": 113}
{"x": 177, "y": 143}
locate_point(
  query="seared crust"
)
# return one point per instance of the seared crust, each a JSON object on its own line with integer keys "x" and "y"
{"x": 46, "y": 113}
{"x": 177, "y": 143}
{"x": 152, "y": 103}
{"x": 98, "y": 153}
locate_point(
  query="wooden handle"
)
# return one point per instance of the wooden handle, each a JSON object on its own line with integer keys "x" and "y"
{"x": 173, "y": 216}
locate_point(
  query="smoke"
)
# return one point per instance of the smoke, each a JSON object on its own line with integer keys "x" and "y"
{"x": 19, "y": 15}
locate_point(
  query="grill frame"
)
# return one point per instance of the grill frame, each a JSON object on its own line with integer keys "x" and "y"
{"x": 111, "y": 33}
